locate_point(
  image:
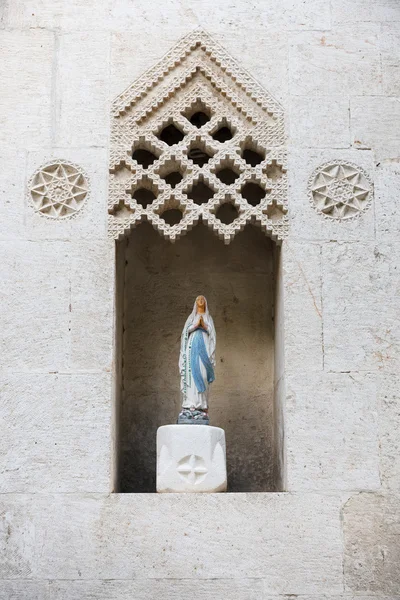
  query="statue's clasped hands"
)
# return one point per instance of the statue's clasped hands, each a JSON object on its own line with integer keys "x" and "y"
{"x": 201, "y": 323}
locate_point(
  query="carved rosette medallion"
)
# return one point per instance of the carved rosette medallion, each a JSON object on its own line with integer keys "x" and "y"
{"x": 58, "y": 189}
{"x": 197, "y": 139}
{"x": 340, "y": 190}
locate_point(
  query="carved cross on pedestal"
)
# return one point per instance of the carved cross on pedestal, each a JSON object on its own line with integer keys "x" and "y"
{"x": 192, "y": 468}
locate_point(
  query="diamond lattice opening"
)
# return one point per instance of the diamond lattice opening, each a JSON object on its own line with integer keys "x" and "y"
{"x": 199, "y": 118}
{"x": 198, "y": 114}
{"x": 144, "y": 196}
{"x": 173, "y": 178}
{"x": 274, "y": 212}
{"x": 121, "y": 210}
{"x": 227, "y": 213}
{"x": 200, "y": 192}
{"x": 223, "y": 134}
{"x": 171, "y": 135}
{"x": 253, "y": 193}
{"x": 253, "y": 157}
{"x": 198, "y": 154}
{"x": 172, "y": 216}
{"x": 144, "y": 157}
{"x": 274, "y": 170}
{"x": 121, "y": 172}
{"x": 227, "y": 175}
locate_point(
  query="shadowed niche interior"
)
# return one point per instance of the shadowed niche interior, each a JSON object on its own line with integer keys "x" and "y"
{"x": 157, "y": 283}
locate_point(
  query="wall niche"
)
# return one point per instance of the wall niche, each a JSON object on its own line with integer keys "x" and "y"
{"x": 197, "y": 145}
{"x": 157, "y": 283}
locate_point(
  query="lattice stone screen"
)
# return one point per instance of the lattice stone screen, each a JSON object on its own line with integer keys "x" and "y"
{"x": 197, "y": 138}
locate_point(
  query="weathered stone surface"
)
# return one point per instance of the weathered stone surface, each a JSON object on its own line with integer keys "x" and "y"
{"x": 343, "y": 61}
{"x": 305, "y": 222}
{"x": 216, "y": 17}
{"x": 387, "y": 185}
{"x": 319, "y": 122}
{"x": 124, "y": 537}
{"x": 389, "y": 426}
{"x": 57, "y": 433}
{"x": 372, "y": 124}
{"x": 174, "y": 589}
{"x": 360, "y": 307}
{"x": 372, "y": 544}
{"x": 301, "y": 265}
{"x": 35, "y": 298}
{"x": 267, "y": 61}
{"x": 17, "y": 536}
{"x": 69, "y": 15}
{"x": 350, "y": 11}
{"x": 387, "y": 152}
{"x": 149, "y": 589}
{"x": 3, "y": 8}
{"x": 332, "y": 432}
{"x": 390, "y": 45}
{"x": 92, "y": 305}
{"x": 127, "y": 61}
{"x": 25, "y": 103}
{"x": 82, "y": 89}
{"x": 25, "y": 590}
{"x": 218, "y": 589}
{"x": 60, "y": 296}
{"x": 12, "y": 194}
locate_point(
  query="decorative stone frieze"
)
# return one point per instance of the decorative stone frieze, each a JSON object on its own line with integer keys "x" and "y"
{"x": 58, "y": 189}
{"x": 340, "y": 190}
{"x": 196, "y": 138}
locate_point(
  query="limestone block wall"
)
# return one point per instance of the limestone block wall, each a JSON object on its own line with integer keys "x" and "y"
{"x": 333, "y": 532}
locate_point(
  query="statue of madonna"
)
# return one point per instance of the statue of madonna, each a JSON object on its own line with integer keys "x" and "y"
{"x": 196, "y": 363}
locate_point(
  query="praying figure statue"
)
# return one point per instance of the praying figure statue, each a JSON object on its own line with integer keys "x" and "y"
{"x": 196, "y": 363}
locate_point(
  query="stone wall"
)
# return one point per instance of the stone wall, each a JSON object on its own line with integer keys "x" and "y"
{"x": 334, "y": 66}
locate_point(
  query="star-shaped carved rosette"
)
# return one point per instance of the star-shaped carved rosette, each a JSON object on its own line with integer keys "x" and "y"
{"x": 340, "y": 190}
{"x": 58, "y": 189}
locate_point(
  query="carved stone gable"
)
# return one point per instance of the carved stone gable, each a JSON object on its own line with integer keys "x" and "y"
{"x": 197, "y": 138}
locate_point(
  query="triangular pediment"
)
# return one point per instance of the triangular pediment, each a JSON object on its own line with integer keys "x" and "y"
{"x": 197, "y": 116}
{"x": 196, "y": 50}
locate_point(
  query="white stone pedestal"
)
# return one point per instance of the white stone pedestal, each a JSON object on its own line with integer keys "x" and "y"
{"x": 191, "y": 458}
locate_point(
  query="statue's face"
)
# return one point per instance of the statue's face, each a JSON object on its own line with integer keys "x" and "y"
{"x": 200, "y": 302}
